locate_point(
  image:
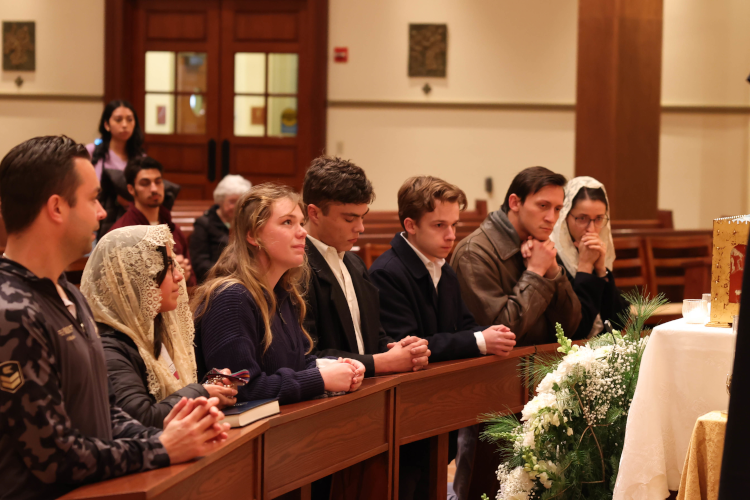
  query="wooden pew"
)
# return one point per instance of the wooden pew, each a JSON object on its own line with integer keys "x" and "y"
{"x": 355, "y": 437}
{"x": 449, "y": 396}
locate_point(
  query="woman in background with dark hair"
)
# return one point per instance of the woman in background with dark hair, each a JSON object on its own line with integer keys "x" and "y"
{"x": 583, "y": 239}
{"x": 121, "y": 137}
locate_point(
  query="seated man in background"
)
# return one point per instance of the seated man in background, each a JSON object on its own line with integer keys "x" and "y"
{"x": 420, "y": 295}
{"x": 59, "y": 427}
{"x": 507, "y": 267}
{"x": 211, "y": 230}
{"x": 146, "y": 185}
{"x": 343, "y": 315}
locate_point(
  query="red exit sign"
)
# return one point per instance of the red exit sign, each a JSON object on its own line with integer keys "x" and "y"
{"x": 341, "y": 54}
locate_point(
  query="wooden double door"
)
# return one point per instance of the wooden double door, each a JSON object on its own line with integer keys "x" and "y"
{"x": 222, "y": 86}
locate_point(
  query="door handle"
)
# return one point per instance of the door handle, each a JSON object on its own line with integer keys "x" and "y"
{"x": 224, "y": 158}
{"x": 211, "y": 160}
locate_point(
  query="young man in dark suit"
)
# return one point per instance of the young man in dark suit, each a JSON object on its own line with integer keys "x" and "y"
{"x": 420, "y": 295}
{"x": 343, "y": 316}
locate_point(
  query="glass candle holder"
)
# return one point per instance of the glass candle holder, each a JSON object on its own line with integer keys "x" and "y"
{"x": 707, "y": 299}
{"x": 693, "y": 311}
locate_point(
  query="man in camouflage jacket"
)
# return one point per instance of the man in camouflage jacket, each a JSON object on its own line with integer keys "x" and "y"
{"x": 58, "y": 427}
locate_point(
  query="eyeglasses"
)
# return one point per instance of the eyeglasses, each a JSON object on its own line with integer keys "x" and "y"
{"x": 585, "y": 220}
{"x": 172, "y": 267}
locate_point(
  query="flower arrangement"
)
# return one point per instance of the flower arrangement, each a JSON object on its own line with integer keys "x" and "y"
{"x": 568, "y": 442}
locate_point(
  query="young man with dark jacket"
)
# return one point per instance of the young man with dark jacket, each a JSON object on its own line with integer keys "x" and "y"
{"x": 507, "y": 268}
{"x": 145, "y": 183}
{"x": 211, "y": 230}
{"x": 343, "y": 315}
{"x": 420, "y": 295}
{"x": 59, "y": 428}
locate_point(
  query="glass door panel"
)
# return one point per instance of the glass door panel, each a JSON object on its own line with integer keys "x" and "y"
{"x": 265, "y": 94}
{"x": 176, "y": 86}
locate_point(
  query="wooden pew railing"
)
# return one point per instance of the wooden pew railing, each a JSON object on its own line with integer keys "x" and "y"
{"x": 355, "y": 437}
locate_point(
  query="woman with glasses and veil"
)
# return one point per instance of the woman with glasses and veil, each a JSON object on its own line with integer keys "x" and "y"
{"x": 140, "y": 303}
{"x": 583, "y": 239}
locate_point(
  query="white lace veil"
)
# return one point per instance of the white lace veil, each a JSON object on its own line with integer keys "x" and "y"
{"x": 118, "y": 283}
{"x": 561, "y": 234}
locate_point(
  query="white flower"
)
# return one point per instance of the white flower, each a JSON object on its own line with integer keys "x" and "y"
{"x": 555, "y": 420}
{"x": 570, "y": 431}
{"x": 545, "y": 480}
{"x": 544, "y": 400}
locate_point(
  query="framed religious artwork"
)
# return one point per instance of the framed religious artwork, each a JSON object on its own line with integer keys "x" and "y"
{"x": 19, "y": 46}
{"x": 730, "y": 236}
{"x": 428, "y": 49}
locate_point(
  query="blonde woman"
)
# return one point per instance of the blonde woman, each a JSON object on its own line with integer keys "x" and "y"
{"x": 249, "y": 312}
{"x": 138, "y": 297}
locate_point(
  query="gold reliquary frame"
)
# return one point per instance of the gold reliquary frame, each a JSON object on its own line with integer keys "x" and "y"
{"x": 730, "y": 237}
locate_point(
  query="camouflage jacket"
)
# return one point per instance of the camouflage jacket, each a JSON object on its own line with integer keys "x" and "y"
{"x": 58, "y": 426}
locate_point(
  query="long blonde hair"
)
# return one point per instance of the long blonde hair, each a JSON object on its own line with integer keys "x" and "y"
{"x": 239, "y": 263}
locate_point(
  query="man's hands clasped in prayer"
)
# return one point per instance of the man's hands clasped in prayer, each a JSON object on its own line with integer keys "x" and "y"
{"x": 499, "y": 340}
{"x": 345, "y": 375}
{"x": 408, "y": 354}
{"x": 193, "y": 429}
{"x": 540, "y": 257}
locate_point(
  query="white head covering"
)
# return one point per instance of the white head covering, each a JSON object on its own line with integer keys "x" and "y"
{"x": 118, "y": 283}
{"x": 561, "y": 234}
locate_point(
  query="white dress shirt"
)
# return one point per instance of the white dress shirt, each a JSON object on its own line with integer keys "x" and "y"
{"x": 436, "y": 271}
{"x": 335, "y": 261}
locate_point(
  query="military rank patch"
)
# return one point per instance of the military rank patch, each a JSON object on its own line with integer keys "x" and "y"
{"x": 11, "y": 377}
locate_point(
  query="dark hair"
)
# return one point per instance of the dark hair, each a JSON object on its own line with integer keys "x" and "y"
{"x": 331, "y": 179}
{"x": 134, "y": 146}
{"x": 593, "y": 194}
{"x": 530, "y": 181}
{"x": 32, "y": 172}
{"x": 158, "y": 320}
{"x": 417, "y": 196}
{"x": 137, "y": 164}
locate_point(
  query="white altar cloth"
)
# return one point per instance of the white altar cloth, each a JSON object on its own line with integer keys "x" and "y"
{"x": 683, "y": 376}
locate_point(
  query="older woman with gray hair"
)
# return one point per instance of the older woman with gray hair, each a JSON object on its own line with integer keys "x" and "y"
{"x": 211, "y": 230}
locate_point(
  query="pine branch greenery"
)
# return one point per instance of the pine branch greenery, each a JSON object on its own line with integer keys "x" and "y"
{"x": 568, "y": 442}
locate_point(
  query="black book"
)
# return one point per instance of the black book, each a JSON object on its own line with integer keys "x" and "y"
{"x": 248, "y": 412}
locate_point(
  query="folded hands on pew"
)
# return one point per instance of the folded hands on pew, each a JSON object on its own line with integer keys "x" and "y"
{"x": 193, "y": 429}
{"x": 499, "y": 340}
{"x": 343, "y": 376}
{"x": 408, "y": 354}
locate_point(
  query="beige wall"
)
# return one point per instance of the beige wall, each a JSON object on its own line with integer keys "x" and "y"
{"x": 505, "y": 51}
{"x": 703, "y": 171}
{"x": 499, "y": 51}
{"x": 69, "y": 61}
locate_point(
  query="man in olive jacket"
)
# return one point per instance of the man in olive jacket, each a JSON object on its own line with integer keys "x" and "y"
{"x": 507, "y": 268}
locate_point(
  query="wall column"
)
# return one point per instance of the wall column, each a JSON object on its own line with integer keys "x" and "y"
{"x": 618, "y": 108}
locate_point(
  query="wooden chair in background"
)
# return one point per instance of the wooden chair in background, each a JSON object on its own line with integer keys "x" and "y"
{"x": 680, "y": 262}
{"x": 631, "y": 266}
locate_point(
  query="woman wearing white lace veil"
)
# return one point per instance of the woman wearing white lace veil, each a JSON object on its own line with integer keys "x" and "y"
{"x": 139, "y": 300}
{"x": 583, "y": 239}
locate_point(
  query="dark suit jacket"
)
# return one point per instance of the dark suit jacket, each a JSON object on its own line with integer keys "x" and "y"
{"x": 328, "y": 319}
{"x": 210, "y": 237}
{"x": 410, "y": 305}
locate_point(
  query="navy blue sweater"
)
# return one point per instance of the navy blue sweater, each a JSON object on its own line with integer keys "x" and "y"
{"x": 230, "y": 335}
